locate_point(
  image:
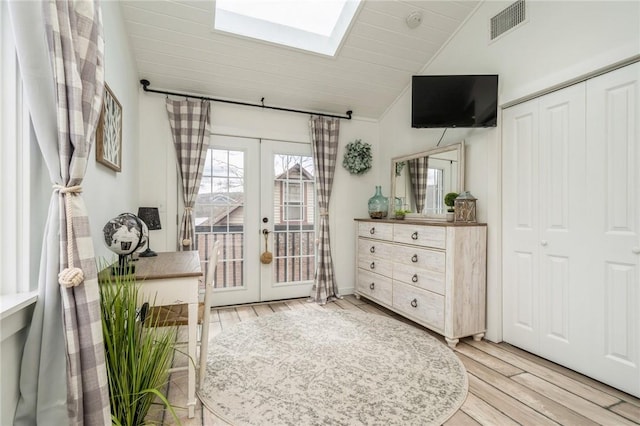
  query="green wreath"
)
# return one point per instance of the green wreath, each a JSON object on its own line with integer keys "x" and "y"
{"x": 357, "y": 157}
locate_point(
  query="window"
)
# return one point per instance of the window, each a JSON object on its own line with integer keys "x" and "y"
{"x": 314, "y": 25}
{"x": 19, "y": 155}
{"x": 293, "y": 201}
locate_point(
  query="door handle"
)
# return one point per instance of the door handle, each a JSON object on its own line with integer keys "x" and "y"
{"x": 544, "y": 243}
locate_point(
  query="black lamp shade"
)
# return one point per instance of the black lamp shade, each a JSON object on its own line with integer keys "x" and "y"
{"x": 150, "y": 216}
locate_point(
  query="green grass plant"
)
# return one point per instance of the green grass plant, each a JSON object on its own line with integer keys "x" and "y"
{"x": 138, "y": 357}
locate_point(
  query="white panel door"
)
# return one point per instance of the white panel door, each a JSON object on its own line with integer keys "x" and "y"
{"x": 544, "y": 188}
{"x": 562, "y": 189}
{"x": 613, "y": 161}
{"x": 520, "y": 222}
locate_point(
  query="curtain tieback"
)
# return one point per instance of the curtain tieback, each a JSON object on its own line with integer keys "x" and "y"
{"x": 324, "y": 212}
{"x": 188, "y": 209}
{"x": 67, "y": 189}
{"x": 70, "y": 276}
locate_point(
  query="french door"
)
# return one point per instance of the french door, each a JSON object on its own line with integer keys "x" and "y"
{"x": 258, "y": 196}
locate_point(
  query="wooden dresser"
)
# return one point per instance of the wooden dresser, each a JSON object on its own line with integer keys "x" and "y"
{"x": 433, "y": 273}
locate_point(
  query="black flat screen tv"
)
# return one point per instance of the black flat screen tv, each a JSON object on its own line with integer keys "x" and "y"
{"x": 454, "y": 101}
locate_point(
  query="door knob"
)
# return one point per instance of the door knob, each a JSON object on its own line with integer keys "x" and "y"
{"x": 636, "y": 250}
{"x": 544, "y": 243}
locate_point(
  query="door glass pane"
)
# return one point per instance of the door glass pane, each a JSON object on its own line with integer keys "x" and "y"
{"x": 435, "y": 192}
{"x": 219, "y": 214}
{"x": 294, "y": 218}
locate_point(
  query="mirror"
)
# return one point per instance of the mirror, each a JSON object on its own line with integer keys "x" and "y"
{"x": 420, "y": 181}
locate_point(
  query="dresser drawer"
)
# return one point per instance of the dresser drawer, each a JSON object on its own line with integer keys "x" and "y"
{"x": 379, "y": 231}
{"x": 375, "y": 248}
{"x": 420, "y": 304}
{"x": 371, "y": 263}
{"x": 418, "y": 277}
{"x": 374, "y": 286}
{"x": 426, "y": 236}
{"x": 417, "y": 257}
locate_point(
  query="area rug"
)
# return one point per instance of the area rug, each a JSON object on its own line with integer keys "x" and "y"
{"x": 313, "y": 367}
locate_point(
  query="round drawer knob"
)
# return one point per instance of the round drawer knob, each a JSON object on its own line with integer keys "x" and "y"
{"x": 414, "y": 236}
{"x": 372, "y": 249}
{"x": 373, "y": 265}
{"x": 372, "y": 230}
{"x": 414, "y": 303}
{"x": 414, "y": 278}
{"x": 414, "y": 258}
{"x": 635, "y": 250}
{"x": 372, "y": 286}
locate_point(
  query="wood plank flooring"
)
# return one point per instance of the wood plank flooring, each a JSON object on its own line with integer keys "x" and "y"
{"x": 507, "y": 386}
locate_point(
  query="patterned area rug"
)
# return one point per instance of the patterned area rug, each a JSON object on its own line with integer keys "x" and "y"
{"x": 331, "y": 368}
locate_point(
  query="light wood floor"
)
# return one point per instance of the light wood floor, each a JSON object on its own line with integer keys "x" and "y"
{"x": 507, "y": 386}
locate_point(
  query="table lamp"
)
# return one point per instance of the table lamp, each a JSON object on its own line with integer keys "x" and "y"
{"x": 151, "y": 217}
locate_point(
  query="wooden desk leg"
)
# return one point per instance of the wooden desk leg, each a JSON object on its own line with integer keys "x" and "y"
{"x": 191, "y": 392}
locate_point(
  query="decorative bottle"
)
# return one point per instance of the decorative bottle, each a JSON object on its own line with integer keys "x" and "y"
{"x": 378, "y": 205}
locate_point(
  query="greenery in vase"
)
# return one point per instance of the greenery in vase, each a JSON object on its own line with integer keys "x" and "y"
{"x": 449, "y": 200}
{"x": 400, "y": 214}
{"x": 357, "y": 157}
{"x": 138, "y": 357}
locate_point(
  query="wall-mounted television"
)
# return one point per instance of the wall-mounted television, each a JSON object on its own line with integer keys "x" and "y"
{"x": 454, "y": 101}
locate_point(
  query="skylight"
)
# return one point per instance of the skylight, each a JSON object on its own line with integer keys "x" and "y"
{"x": 314, "y": 25}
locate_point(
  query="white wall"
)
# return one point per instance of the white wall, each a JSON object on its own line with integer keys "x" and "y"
{"x": 350, "y": 193}
{"x": 107, "y": 193}
{"x": 561, "y": 40}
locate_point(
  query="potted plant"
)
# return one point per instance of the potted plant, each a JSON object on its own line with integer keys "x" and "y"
{"x": 138, "y": 355}
{"x": 449, "y": 201}
{"x": 401, "y": 213}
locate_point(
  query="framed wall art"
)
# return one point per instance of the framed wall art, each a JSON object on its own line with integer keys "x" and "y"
{"x": 109, "y": 132}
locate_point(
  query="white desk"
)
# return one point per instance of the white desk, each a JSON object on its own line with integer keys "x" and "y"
{"x": 169, "y": 279}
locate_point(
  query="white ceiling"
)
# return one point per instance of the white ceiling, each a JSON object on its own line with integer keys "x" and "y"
{"x": 176, "y": 49}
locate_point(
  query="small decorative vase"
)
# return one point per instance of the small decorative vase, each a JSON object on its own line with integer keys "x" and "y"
{"x": 378, "y": 205}
{"x": 450, "y": 216}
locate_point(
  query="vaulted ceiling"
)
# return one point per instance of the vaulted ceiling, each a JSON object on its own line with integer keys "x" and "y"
{"x": 177, "y": 49}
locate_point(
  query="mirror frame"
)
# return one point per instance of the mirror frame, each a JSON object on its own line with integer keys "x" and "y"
{"x": 459, "y": 147}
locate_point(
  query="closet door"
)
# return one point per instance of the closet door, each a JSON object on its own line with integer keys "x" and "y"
{"x": 544, "y": 188}
{"x": 562, "y": 226}
{"x": 521, "y": 226}
{"x": 613, "y": 161}
{"x": 571, "y": 227}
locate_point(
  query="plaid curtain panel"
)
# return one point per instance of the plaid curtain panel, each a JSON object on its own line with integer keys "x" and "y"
{"x": 189, "y": 122}
{"x": 324, "y": 138}
{"x": 418, "y": 174}
{"x": 76, "y": 47}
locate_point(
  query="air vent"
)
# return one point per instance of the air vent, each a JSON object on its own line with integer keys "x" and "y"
{"x": 509, "y": 18}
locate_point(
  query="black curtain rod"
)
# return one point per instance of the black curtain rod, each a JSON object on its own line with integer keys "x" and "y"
{"x": 145, "y": 85}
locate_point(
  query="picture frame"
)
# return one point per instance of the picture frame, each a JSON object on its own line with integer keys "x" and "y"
{"x": 109, "y": 132}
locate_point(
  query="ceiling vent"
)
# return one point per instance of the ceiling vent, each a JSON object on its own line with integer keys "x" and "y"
{"x": 508, "y": 19}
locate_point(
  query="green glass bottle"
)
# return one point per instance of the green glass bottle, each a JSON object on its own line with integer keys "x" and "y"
{"x": 378, "y": 205}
